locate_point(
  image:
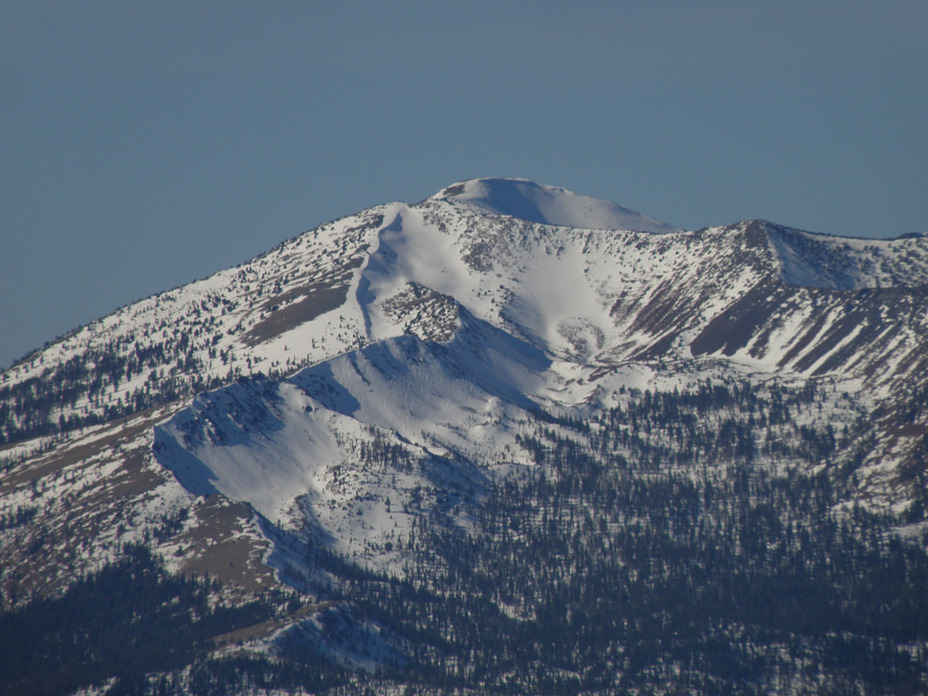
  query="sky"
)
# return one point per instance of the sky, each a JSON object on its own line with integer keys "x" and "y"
{"x": 146, "y": 145}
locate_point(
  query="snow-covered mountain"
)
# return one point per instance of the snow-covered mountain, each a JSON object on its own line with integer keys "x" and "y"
{"x": 395, "y": 363}
{"x": 585, "y": 281}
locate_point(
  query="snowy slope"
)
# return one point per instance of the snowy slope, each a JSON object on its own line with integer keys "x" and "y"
{"x": 548, "y": 205}
{"x": 573, "y": 276}
{"x": 302, "y": 448}
{"x": 812, "y": 260}
{"x": 470, "y": 324}
{"x": 387, "y": 363}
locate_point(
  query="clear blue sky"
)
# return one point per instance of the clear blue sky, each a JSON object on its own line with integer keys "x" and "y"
{"x": 144, "y": 145}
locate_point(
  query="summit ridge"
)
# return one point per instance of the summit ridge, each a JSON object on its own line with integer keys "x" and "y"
{"x": 526, "y": 200}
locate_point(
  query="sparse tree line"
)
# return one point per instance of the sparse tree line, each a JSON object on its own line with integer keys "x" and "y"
{"x": 602, "y": 573}
{"x": 126, "y": 620}
{"x": 81, "y": 389}
{"x": 682, "y": 542}
{"x": 23, "y": 516}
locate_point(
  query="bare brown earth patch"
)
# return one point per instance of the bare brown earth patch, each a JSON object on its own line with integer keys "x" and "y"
{"x": 117, "y": 434}
{"x": 131, "y": 480}
{"x": 656, "y": 349}
{"x": 75, "y": 508}
{"x": 265, "y": 628}
{"x": 287, "y": 311}
{"x": 81, "y": 492}
{"x": 318, "y": 301}
{"x": 227, "y": 550}
{"x": 733, "y": 328}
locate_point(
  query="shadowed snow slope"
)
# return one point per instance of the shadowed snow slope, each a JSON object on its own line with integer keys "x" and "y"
{"x": 295, "y": 449}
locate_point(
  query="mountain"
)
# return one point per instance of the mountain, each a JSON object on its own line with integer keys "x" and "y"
{"x": 379, "y": 429}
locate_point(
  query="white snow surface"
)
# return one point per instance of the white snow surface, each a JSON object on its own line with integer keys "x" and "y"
{"x": 440, "y": 328}
{"x": 549, "y": 205}
{"x": 814, "y": 260}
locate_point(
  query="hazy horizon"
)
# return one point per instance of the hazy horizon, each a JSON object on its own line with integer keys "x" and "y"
{"x": 145, "y": 146}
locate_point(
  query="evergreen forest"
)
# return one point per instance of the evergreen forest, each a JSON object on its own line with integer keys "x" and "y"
{"x": 697, "y": 542}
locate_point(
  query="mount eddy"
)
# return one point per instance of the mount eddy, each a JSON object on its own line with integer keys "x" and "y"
{"x": 509, "y": 439}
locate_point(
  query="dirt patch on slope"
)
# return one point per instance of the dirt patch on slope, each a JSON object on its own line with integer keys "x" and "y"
{"x": 116, "y": 434}
{"x": 317, "y": 302}
{"x": 225, "y": 546}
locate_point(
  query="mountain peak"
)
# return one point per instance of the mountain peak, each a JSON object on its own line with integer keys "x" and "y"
{"x": 419, "y": 406}
{"x": 548, "y": 205}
